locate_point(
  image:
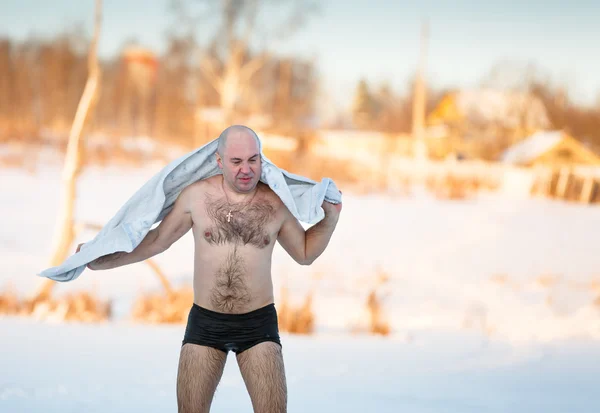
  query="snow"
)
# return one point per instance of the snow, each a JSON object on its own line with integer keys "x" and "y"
{"x": 490, "y": 301}
{"x": 120, "y": 367}
{"x": 532, "y": 147}
{"x": 442, "y": 258}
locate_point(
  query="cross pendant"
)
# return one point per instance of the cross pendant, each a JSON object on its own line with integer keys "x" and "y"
{"x": 229, "y": 216}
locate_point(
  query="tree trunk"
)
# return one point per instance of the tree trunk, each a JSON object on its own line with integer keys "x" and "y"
{"x": 64, "y": 232}
{"x": 229, "y": 93}
{"x": 418, "y": 119}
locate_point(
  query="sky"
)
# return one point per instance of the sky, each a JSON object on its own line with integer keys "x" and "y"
{"x": 377, "y": 39}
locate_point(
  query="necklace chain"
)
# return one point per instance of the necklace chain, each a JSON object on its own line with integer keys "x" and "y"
{"x": 229, "y": 215}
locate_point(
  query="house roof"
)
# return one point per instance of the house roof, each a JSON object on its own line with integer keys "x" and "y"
{"x": 532, "y": 147}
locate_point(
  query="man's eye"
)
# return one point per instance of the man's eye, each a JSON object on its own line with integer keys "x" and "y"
{"x": 236, "y": 163}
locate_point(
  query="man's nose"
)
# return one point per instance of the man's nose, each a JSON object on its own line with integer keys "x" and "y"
{"x": 245, "y": 169}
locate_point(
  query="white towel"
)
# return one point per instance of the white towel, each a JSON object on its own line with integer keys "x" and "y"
{"x": 153, "y": 201}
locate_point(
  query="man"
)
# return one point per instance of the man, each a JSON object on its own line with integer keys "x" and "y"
{"x": 235, "y": 220}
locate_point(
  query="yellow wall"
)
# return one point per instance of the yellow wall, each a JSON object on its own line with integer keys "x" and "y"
{"x": 567, "y": 152}
{"x": 446, "y": 111}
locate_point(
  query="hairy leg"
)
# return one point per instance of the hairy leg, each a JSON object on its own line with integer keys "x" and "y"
{"x": 263, "y": 372}
{"x": 199, "y": 373}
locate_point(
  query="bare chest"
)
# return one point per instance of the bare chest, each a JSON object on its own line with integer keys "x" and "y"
{"x": 241, "y": 225}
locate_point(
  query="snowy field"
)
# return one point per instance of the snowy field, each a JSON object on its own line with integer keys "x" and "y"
{"x": 123, "y": 368}
{"x": 490, "y": 301}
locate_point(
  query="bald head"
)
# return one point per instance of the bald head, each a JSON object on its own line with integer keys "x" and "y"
{"x": 235, "y": 132}
{"x": 238, "y": 156}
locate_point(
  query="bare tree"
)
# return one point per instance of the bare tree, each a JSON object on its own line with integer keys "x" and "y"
{"x": 363, "y": 106}
{"x": 65, "y": 229}
{"x": 420, "y": 97}
{"x": 22, "y": 91}
{"x": 228, "y": 63}
{"x": 5, "y": 88}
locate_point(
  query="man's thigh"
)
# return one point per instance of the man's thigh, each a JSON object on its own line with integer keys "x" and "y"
{"x": 200, "y": 370}
{"x": 264, "y": 375}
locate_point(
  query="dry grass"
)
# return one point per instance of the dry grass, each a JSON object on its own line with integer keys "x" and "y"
{"x": 547, "y": 280}
{"x": 476, "y": 318}
{"x": 378, "y": 324}
{"x": 164, "y": 308}
{"x": 9, "y": 303}
{"x": 501, "y": 279}
{"x": 12, "y": 161}
{"x": 374, "y": 320}
{"x": 594, "y": 285}
{"x": 296, "y": 320}
{"x": 173, "y": 308}
{"x": 80, "y": 306}
{"x": 457, "y": 187}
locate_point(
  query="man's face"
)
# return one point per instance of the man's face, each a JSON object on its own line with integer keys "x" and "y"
{"x": 240, "y": 162}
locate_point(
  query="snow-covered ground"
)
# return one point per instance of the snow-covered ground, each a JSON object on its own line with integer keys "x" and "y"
{"x": 519, "y": 269}
{"x": 491, "y": 304}
{"x": 124, "y": 368}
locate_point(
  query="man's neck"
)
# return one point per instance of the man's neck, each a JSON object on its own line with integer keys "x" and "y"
{"x": 235, "y": 196}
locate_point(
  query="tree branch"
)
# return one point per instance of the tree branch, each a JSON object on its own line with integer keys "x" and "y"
{"x": 209, "y": 72}
{"x": 250, "y": 68}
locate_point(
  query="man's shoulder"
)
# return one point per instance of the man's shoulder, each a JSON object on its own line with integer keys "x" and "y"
{"x": 199, "y": 187}
{"x": 205, "y": 183}
{"x": 211, "y": 180}
{"x": 273, "y": 199}
{"x": 269, "y": 194}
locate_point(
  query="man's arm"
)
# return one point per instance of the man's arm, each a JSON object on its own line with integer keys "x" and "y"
{"x": 306, "y": 246}
{"x": 175, "y": 225}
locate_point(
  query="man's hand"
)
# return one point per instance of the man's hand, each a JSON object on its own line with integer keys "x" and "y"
{"x": 305, "y": 246}
{"x": 332, "y": 210}
{"x": 89, "y": 265}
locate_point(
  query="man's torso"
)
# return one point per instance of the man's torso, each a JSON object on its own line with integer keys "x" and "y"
{"x": 233, "y": 247}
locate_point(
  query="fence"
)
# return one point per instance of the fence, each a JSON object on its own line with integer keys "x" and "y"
{"x": 383, "y": 169}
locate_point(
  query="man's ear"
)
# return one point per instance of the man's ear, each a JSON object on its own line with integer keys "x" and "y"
{"x": 219, "y": 160}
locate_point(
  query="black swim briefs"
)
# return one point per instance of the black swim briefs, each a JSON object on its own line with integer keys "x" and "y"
{"x": 235, "y": 332}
